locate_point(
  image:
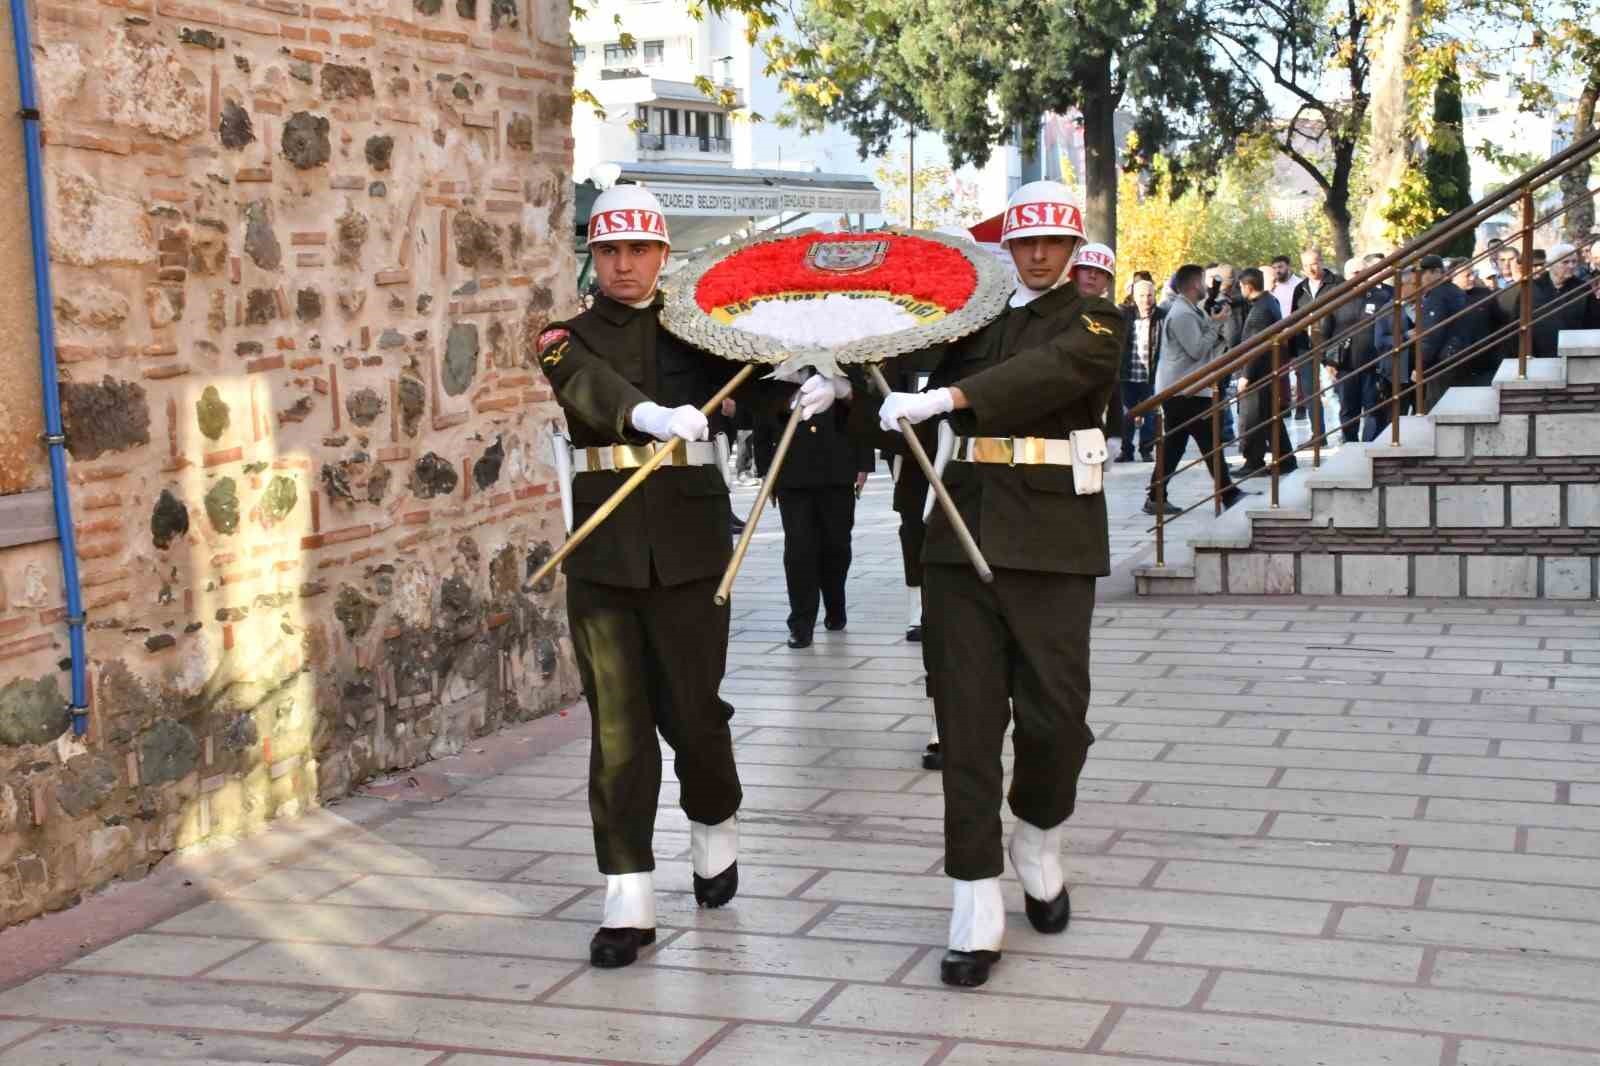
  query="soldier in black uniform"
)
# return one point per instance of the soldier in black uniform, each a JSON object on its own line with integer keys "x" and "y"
{"x": 651, "y": 644}
{"x": 816, "y": 489}
{"x": 1022, "y": 396}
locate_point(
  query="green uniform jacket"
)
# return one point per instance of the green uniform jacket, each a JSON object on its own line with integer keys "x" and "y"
{"x": 602, "y": 364}
{"x": 1042, "y": 370}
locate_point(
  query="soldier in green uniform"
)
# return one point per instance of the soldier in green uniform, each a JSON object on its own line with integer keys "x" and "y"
{"x": 1024, "y": 397}
{"x": 651, "y": 644}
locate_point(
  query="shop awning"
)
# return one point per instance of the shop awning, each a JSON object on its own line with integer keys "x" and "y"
{"x": 704, "y": 204}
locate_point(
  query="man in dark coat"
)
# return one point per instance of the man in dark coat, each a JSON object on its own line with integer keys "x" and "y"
{"x": 1317, "y": 281}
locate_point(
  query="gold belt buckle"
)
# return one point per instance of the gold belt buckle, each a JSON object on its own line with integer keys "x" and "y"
{"x": 993, "y": 450}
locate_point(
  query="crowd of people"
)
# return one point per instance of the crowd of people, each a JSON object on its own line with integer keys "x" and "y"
{"x": 1458, "y": 324}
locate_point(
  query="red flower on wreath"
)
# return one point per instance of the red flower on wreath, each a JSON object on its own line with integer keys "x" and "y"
{"x": 910, "y": 267}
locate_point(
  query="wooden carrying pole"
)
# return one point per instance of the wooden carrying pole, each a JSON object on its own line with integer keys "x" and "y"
{"x": 963, "y": 534}
{"x": 725, "y": 589}
{"x": 592, "y": 523}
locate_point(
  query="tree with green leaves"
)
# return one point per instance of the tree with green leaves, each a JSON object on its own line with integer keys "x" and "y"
{"x": 1448, "y": 170}
{"x": 985, "y": 72}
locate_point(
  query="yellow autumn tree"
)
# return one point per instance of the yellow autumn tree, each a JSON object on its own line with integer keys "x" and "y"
{"x": 1155, "y": 232}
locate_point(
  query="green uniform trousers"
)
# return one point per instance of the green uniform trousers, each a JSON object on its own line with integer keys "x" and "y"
{"x": 1018, "y": 647}
{"x": 652, "y": 659}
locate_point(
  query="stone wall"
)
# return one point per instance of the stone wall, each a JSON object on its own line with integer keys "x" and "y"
{"x": 300, "y": 253}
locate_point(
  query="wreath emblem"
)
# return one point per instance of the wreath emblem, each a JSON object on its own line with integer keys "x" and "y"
{"x": 821, "y": 300}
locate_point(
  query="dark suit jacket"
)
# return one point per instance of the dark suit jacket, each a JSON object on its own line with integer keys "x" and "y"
{"x": 1042, "y": 370}
{"x": 613, "y": 358}
{"x": 1263, "y": 312}
{"x": 1130, "y": 315}
{"x": 1442, "y": 329}
{"x": 1326, "y": 329}
{"x": 823, "y": 453}
{"x": 1359, "y": 317}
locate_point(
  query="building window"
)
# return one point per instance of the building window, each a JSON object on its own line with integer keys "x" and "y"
{"x": 616, "y": 55}
{"x": 654, "y": 52}
{"x": 579, "y": 53}
{"x": 721, "y": 125}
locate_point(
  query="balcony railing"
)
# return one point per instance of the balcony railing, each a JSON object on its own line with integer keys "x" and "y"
{"x": 673, "y": 142}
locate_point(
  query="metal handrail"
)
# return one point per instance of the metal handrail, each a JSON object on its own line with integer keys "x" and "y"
{"x": 1468, "y": 218}
{"x": 1401, "y": 393}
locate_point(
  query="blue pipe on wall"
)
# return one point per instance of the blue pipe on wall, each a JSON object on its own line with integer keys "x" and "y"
{"x": 54, "y": 437}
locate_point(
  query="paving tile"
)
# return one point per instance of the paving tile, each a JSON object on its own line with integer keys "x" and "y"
{"x": 1290, "y": 882}
{"x": 1200, "y": 909}
{"x": 1471, "y": 930}
{"x": 1549, "y": 869}
{"x": 1282, "y": 799}
{"x": 10, "y": 1031}
{"x": 387, "y": 1056}
{"x": 451, "y": 894}
{"x": 815, "y": 1047}
{"x": 995, "y": 1055}
{"x": 524, "y": 787}
{"x": 497, "y": 935}
{"x": 1096, "y": 980}
{"x": 291, "y": 886}
{"x": 1258, "y": 1042}
{"x": 288, "y": 921}
{"x": 1483, "y": 1053}
{"x": 1539, "y": 901}
{"x": 1177, "y": 772}
{"x": 973, "y": 1017}
{"x": 394, "y": 970}
{"x": 1561, "y": 816}
{"x": 678, "y": 910}
{"x": 743, "y": 997}
{"x": 82, "y": 1045}
{"x": 160, "y": 956}
{"x": 700, "y": 949}
{"x": 1516, "y": 972}
{"x": 535, "y": 1029}
{"x": 1440, "y": 1010}
{"x": 1285, "y": 954}
{"x": 1389, "y": 831}
{"x": 1429, "y": 784}
{"x": 1332, "y": 855}
{"x": 156, "y": 1001}
{"x": 419, "y": 861}
{"x": 929, "y": 927}
{"x": 1321, "y": 758}
{"x": 1564, "y": 842}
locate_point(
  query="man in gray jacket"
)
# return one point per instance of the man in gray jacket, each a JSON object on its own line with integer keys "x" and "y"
{"x": 1190, "y": 340}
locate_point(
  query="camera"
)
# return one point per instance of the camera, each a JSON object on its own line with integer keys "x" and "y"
{"x": 1215, "y": 301}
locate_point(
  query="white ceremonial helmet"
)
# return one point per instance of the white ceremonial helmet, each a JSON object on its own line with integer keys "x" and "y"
{"x": 1042, "y": 209}
{"x": 627, "y": 213}
{"x": 1095, "y": 255}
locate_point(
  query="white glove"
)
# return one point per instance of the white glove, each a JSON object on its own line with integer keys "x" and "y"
{"x": 914, "y": 407}
{"x": 664, "y": 423}
{"x": 818, "y": 394}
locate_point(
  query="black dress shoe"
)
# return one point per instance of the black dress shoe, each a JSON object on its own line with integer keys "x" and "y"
{"x": 1125, "y": 457}
{"x": 735, "y": 525}
{"x": 1234, "y": 498}
{"x": 933, "y": 758}
{"x": 614, "y": 948}
{"x": 1147, "y": 457}
{"x": 797, "y": 641}
{"x": 1049, "y": 917}
{"x": 966, "y": 969}
{"x": 715, "y": 891}
{"x": 914, "y": 634}
{"x": 834, "y": 625}
{"x": 1167, "y": 509}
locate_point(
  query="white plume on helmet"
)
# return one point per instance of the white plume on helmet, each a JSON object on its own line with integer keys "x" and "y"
{"x": 627, "y": 213}
{"x": 1095, "y": 255}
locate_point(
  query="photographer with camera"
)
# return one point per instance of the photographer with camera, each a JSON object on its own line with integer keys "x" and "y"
{"x": 1191, "y": 339}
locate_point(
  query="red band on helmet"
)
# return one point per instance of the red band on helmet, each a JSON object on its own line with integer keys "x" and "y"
{"x": 1097, "y": 259}
{"x": 631, "y": 222}
{"x": 1042, "y": 214}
